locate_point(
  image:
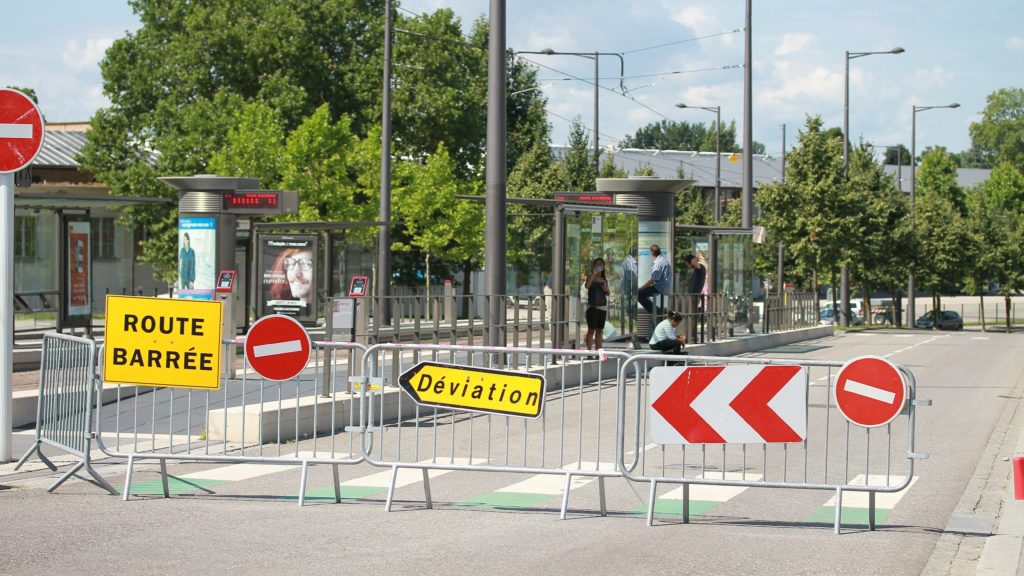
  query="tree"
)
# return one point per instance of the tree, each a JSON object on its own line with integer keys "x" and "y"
{"x": 810, "y": 212}
{"x": 996, "y": 226}
{"x": 578, "y": 162}
{"x": 177, "y": 84}
{"x": 439, "y": 225}
{"x": 940, "y": 227}
{"x": 884, "y": 252}
{"x": 999, "y": 135}
{"x": 897, "y": 154}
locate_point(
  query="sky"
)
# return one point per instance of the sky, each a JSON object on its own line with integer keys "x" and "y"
{"x": 673, "y": 51}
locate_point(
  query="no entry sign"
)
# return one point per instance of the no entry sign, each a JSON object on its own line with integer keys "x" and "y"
{"x": 21, "y": 130}
{"x": 277, "y": 347}
{"x": 870, "y": 391}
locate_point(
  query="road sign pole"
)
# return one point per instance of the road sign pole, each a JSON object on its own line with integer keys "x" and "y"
{"x": 7, "y": 317}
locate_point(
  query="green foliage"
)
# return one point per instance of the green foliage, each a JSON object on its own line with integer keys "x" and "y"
{"x": 251, "y": 88}
{"x": 578, "y": 162}
{"x": 812, "y": 211}
{"x": 672, "y": 135}
{"x": 996, "y": 227}
{"x": 897, "y": 155}
{"x": 942, "y": 233}
{"x": 999, "y": 135}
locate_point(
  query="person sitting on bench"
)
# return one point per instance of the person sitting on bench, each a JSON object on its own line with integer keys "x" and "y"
{"x": 664, "y": 338}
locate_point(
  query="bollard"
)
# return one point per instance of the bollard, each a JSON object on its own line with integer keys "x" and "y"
{"x": 1018, "y": 477}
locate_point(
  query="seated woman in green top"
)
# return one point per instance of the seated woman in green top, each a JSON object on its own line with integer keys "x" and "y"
{"x": 664, "y": 338}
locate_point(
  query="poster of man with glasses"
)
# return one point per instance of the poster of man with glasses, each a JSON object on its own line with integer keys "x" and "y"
{"x": 288, "y": 265}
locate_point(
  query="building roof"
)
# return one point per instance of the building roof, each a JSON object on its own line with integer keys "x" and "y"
{"x": 60, "y": 149}
{"x": 700, "y": 166}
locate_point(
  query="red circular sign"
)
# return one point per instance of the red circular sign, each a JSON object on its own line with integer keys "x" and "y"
{"x": 870, "y": 391}
{"x": 277, "y": 347}
{"x": 21, "y": 130}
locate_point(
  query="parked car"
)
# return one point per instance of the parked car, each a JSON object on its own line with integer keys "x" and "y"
{"x": 827, "y": 316}
{"x": 948, "y": 320}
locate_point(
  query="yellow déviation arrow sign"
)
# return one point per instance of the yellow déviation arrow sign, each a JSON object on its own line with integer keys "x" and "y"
{"x": 476, "y": 389}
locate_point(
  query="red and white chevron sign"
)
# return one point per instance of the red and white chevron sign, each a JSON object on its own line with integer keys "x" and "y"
{"x": 728, "y": 404}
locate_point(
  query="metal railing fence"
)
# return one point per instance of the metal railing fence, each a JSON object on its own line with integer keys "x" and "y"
{"x": 64, "y": 411}
{"x": 832, "y": 449}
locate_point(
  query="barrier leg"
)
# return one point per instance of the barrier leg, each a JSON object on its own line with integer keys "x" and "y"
{"x": 163, "y": 478}
{"x": 600, "y": 488}
{"x": 565, "y": 496}
{"x": 871, "y": 510}
{"x": 651, "y": 502}
{"x": 337, "y": 484}
{"x": 839, "y": 507}
{"x": 66, "y": 475}
{"x": 128, "y": 478}
{"x": 686, "y": 503}
{"x": 391, "y": 489}
{"x": 37, "y": 448}
{"x": 99, "y": 479}
{"x": 302, "y": 483}
{"x": 426, "y": 489}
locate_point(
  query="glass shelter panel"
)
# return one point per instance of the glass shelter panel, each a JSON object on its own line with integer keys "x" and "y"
{"x": 735, "y": 271}
{"x": 612, "y": 236}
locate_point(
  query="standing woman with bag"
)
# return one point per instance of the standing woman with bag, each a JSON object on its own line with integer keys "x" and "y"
{"x": 597, "y": 304}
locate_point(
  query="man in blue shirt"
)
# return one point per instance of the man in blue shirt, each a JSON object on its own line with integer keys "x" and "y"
{"x": 660, "y": 281}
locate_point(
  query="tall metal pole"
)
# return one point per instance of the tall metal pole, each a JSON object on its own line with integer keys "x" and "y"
{"x": 748, "y": 125}
{"x": 844, "y": 273}
{"x": 7, "y": 317}
{"x": 597, "y": 90}
{"x": 718, "y": 164}
{"x": 782, "y": 249}
{"x": 384, "y": 236}
{"x": 494, "y": 248}
{"x": 911, "y": 315}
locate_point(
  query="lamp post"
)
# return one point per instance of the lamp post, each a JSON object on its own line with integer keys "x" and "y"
{"x": 844, "y": 283}
{"x": 913, "y": 193}
{"x": 718, "y": 155}
{"x": 384, "y": 234}
{"x": 717, "y": 212}
{"x": 595, "y": 56}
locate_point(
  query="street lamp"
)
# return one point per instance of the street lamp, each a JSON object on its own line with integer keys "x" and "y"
{"x": 913, "y": 192}
{"x": 844, "y": 287}
{"x": 718, "y": 154}
{"x": 595, "y": 56}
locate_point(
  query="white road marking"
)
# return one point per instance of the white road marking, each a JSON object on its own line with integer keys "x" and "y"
{"x": 277, "y": 348}
{"x": 15, "y": 131}
{"x": 903, "y": 335}
{"x": 553, "y": 484}
{"x": 238, "y": 472}
{"x": 979, "y": 337}
{"x": 713, "y": 493}
{"x": 886, "y": 500}
{"x": 406, "y": 476}
{"x": 869, "y": 391}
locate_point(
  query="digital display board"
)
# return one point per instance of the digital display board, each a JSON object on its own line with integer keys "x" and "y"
{"x": 251, "y": 201}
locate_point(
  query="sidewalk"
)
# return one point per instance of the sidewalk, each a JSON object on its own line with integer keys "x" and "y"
{"x": 985, "y": 533}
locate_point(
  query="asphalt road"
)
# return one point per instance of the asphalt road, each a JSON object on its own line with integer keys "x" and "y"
{"x": 234, "y": 520}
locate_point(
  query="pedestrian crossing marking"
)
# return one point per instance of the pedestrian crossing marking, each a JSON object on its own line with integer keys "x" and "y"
{"x": 535, "y": 489}
{"x": 703, "y": 497}
{"x": 855, "y": 504}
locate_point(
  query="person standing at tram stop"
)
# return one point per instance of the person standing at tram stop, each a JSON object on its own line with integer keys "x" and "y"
{"x": 664, "y": 339}
{"x": 660, "y": 281}
{"x": 597, "y": 304}
{"x": 695, "y": 287}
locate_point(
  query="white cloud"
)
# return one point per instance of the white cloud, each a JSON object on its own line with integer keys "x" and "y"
{"x": 558, "y": 38}
{"x": 790, "y": 83}
{"x": 86, "y": 56}
{"x": 701, "y": 22}
{"x": 793, "y": 42}
{"x": 935, "y": 76}
{"x": 1015, "y": 43}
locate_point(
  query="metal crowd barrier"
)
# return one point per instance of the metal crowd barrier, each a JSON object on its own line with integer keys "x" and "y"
{"x": 576, "y": 438}
{"x": 64, "y": 413}
{"x": 309, "y": 419}
{"x": 823, "y": 461}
